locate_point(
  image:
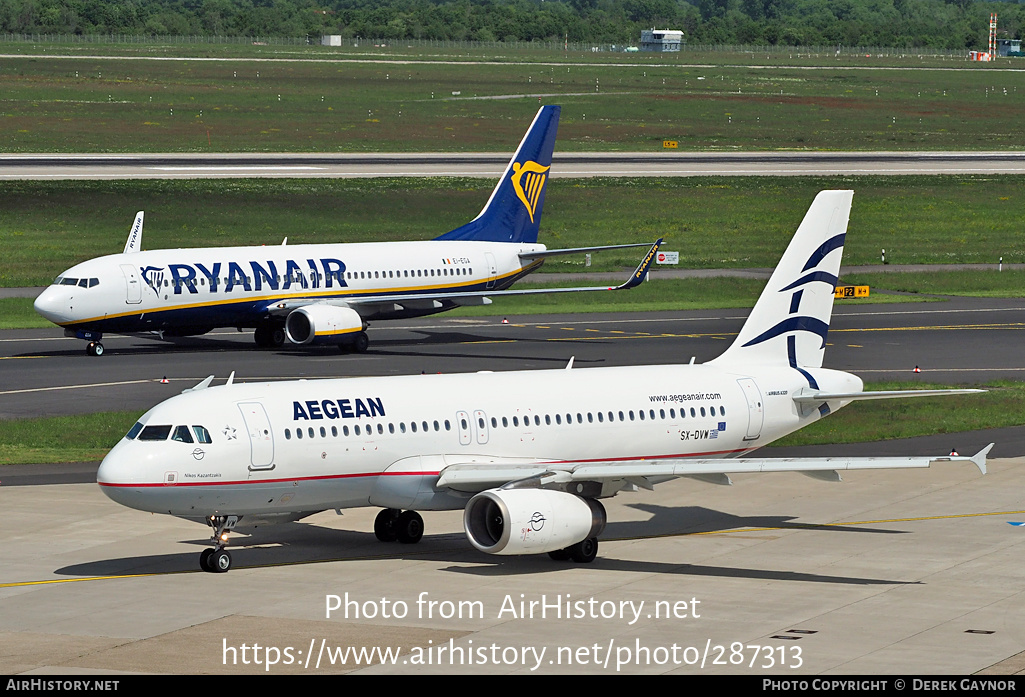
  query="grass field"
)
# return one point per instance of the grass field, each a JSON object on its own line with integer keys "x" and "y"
{"x": 736, "y": 222}
{"x": 89, "y": 437}
{"x": 321, "y": 100}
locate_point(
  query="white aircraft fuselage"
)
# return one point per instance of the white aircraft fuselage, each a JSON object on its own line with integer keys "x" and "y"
{"x": 297, "y": 448}
{"x": 190, "y": 291}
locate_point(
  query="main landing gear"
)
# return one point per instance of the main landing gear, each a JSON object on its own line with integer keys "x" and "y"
{"x": 270, "y": 336}
{"x": 582, "y": 552}
{"x": 405, "y": 526}
{"x": 94, "y": 348}
{"x": 217, "y": 560}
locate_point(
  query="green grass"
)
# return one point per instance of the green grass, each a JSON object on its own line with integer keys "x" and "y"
{"x": 92, "y": 104}
{"x": 89, "y": 437}
{"x": 78, "y": 438}
{"x": 1003, "y": 405}
{"x": 18, "y": 313}
{"x": 980, "y": 284}
{"x": 714, "y": 222}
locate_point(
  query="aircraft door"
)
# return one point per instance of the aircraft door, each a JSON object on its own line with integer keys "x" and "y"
{"x": 492, "y": 269}
{"x": 261, "y": 437}
{"x": 463, "y": 423}
{"x": 133, "y": 284}
{"x": 755, "y": 409}
{"x": 480, "y": 420}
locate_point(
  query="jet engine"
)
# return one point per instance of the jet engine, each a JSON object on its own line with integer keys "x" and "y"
{"x": 530, "y": 521}
{"x": 323, "y": 324}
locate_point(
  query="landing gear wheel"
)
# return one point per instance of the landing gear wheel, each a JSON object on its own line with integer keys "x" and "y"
{"x": 219, "y": 561}
{"x": 204, "y": 560}
{"x": 385, "y": 525}
{"x": 94, "y": 348}
{"x": 410, "y": 527}
{"x": 361, "y": 342}
{"x": 585, "y": 551}
{"x": 269, "y": 336}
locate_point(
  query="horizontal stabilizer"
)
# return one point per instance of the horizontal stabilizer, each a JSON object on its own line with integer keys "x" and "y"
{"x": 543, "y": 254}
{"x": 816, "y": 396}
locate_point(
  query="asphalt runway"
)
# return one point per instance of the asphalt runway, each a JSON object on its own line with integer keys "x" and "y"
{"x": 956, "y": 341}
{"x": 889, "y": 573}
{"x": 635, "y": 164}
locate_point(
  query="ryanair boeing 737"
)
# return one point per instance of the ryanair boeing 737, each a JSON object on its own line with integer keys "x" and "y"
{"x": 527, "y": 455}
{"x": 319, "y": 293}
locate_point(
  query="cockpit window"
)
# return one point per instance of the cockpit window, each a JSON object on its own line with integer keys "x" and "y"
{"x": 134, "y": 431}
{"x": 66, "y": 281}
{"x": 94, "y": 282}
{"x": 181, "y": 433}
{"x": 155, "y": 433}
{"x": 202, "y": 435}
{"x": 83, "y": 283}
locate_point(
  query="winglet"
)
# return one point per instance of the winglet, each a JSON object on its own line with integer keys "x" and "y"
{"x": 980, "y": 458}
{"x": 642, "y": 269}
{"x": 201, "y": 386}
{"x": 134, "y": 242}
{"x": 231, "y": 378}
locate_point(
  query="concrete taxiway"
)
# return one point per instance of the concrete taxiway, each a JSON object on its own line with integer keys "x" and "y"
{"x": 888, "y": 573}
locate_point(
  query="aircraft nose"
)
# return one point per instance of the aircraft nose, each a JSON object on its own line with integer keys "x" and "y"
{"x": 52, "y": 304}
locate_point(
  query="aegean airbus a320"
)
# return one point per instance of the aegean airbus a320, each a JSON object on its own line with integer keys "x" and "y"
{"x": 527, "y": 455}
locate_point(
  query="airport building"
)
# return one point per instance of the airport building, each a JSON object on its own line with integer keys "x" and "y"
{"x": 661, "y": 40}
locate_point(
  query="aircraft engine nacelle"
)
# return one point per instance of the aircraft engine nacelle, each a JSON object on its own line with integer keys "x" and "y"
{"x": 530, "y": 521}
{"x": 322, "y": 324}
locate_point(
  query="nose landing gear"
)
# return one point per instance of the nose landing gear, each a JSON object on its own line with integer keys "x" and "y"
{"x": 217, "y": 560}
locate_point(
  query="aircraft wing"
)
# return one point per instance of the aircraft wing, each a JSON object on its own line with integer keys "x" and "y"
{"x": 477, "y": 477}
{"x": 481, "y": 297}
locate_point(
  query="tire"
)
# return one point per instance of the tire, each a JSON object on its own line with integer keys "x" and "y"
{"x": 585, "y": 551}
{"x": 220, "y": 561}
{"x": 385, "y": 525}
{"x": 410, "y": 527}
{"x": 204, "y": 560}
{"x": 361, "y": 342}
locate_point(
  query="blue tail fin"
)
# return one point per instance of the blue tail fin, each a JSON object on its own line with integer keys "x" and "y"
{"x": 513, "y": 213}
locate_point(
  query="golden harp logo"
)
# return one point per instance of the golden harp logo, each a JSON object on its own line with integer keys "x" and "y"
{"x": 528, "y": 181}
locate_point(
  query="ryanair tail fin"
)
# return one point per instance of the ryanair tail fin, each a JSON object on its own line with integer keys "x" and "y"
{"x": 513, "y": 213}
{"x": 789, "y": 322}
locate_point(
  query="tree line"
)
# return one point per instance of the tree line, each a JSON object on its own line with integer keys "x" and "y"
{"x": 949, "y": 24}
